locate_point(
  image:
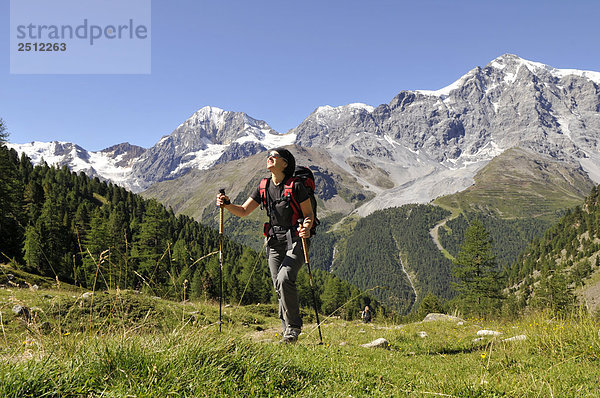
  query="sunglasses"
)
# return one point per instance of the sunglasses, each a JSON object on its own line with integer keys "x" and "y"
{"x": 273, "y": 155}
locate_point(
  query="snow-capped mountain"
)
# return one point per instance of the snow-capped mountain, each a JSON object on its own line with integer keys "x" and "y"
{"x": 201, "y": 141}
{"x": 113, "y": 164}
{"x": 210, "y": 136}
{"x": 420, "y": 145}
{"x": 433, "y": 142}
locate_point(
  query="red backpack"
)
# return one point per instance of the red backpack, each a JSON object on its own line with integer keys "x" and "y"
{"x": 307, "y": 178}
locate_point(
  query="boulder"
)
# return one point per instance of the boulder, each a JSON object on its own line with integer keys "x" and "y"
{"x": 432, "y": 317}
{"x": 379, "y": 343}
{"x": 20, "y": 310}
{"x": 520, "y": 337}
{"x": 485, "y": 332}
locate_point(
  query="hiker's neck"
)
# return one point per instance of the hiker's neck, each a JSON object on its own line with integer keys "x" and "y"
{"x": 277, "y": 177}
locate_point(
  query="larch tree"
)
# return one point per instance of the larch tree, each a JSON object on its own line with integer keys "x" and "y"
{"x": 478, "y": 279}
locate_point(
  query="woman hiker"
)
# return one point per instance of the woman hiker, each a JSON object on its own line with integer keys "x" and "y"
{"x": 284, "y": 246}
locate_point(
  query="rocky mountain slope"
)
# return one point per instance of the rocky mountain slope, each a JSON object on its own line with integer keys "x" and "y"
{"x": 520, "y": 183}
{"x": 419, "y": 146}
{"x": 433, "y": 142}
{"x": 209, "y": 135}
{"x": 194, "y": 193}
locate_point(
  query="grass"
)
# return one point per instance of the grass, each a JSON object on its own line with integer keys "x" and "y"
{"x": 520, "y": 184}
{"x": 129, "y": 344}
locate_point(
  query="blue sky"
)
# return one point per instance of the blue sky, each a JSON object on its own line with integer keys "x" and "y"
{"x": 277, "y": 61}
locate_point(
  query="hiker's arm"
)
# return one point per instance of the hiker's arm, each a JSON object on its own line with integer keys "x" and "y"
{"x": 238, "y": 210}
{"x": 307, "y": 212}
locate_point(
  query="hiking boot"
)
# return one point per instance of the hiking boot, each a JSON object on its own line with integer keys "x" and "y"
{"x": 290, "y": 335}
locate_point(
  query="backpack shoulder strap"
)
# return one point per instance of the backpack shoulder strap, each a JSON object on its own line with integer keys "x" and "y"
{"x": 262, "y": 189}
{"x": 288, "y": 192}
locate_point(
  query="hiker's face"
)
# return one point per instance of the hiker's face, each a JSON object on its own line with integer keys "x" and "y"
{"x": 275, "y": 161}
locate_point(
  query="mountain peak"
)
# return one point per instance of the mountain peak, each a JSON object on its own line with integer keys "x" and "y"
{"x": 515, "y": 61}
{"x": 210, "y": 110}
{"x": 509, "y": 65}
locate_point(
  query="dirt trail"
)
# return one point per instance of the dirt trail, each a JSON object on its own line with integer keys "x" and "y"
{"x": 434, "y": 232}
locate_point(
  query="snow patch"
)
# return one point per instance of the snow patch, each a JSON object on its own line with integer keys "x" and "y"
{"x": 536, "y": 66}
{"x": 202, "y": 159}
{"x": 391, "y": 141}
{"x": 357, "y": 106}
{"x": 485, "y": 153}
{"x": 445, "y": 92}
{"x": 564, "y": 125}
{"x": 37, "y": 150}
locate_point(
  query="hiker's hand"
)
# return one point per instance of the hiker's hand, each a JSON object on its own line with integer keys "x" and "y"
{"x": 222, "y": 200}
{"x": 304, "y": 229}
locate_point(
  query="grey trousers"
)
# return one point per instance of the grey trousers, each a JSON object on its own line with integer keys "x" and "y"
{"x": 284, "y": 266}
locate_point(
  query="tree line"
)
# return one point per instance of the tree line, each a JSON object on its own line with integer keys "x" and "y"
{"x": 97, "y": 235}
{"x": 566, "y": 254}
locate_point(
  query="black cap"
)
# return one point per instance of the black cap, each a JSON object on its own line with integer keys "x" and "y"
{"x": 290, "y": 160}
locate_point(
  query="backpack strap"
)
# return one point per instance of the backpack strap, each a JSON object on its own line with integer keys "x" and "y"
{"x": 288, "y": 192}
{"x": 264, "y": 183}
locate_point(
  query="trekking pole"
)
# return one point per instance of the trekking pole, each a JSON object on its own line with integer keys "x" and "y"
{"x": 221, "y": 216}
{"x": 310, "y": 278}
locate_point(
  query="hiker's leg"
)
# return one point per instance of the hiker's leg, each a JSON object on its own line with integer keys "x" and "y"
{"x": 286, "y": 279}
{"x": 275, "y": 256}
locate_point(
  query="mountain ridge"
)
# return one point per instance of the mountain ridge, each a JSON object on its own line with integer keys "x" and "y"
{"x": 421, "y": 145}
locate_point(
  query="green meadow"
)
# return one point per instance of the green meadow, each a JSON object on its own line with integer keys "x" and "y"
{"x": 127, "y": 344}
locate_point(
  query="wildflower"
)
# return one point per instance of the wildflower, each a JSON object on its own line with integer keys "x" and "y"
{"x": 483, "y": 355}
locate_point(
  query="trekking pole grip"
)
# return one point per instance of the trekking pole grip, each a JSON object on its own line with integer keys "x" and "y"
{"x": 221, "y": 215}
{"x": 305, "y": 250}
{"x": 304, "y": 244}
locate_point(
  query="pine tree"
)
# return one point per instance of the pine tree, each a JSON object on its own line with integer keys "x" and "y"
{"x": 11, "y": 196}
{"x": 554, "y": 290}
{"x": 55, "y": 237}
{"x": 333, "y": 296}
{"x": 32, "y": 248}
{"x": 429, "y": 304}
{"x": 478, "y": 280}
{"x": 151, "y": 245}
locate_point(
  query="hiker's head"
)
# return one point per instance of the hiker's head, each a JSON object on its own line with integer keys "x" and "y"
{"x": 285, "y": 157}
